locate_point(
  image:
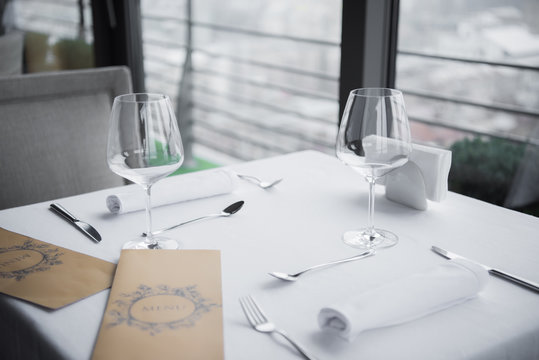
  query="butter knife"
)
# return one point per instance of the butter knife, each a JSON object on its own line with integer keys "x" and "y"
{"x": 492, "y": 271}
{"x": 87, "y": 229}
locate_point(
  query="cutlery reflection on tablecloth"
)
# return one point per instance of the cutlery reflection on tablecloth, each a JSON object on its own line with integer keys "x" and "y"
{"x": 260, "y": 183}
{"x": 403, "y": 300}
{"x": 172, "y": 190}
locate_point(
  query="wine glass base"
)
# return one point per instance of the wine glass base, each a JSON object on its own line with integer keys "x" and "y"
{"x": 162, "y": 243}
{"x": 368, "y": 239}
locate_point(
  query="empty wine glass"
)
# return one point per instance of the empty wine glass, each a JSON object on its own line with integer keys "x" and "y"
{"x": 144, "y": 146}
{"x": 373, "y": 139}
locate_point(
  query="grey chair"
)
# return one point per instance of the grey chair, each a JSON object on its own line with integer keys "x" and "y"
{"x": 54, "y": 130}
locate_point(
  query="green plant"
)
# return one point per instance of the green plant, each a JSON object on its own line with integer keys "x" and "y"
{"x": 74, "y": 54}
{"x": 484, "y": 169}
{"x": 36, "y": 47}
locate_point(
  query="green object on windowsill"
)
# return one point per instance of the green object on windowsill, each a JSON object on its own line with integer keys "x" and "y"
{"x": 198, "y": 164}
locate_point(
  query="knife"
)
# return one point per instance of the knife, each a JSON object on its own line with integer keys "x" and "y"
{"x": 87, "y": 229}
{"x": 492, "y": 271}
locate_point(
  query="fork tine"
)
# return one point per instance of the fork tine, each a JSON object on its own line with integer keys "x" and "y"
{"x": 247, "y": 311}
{"x": 257, "y": 310}
{"x": 257, "y": 318}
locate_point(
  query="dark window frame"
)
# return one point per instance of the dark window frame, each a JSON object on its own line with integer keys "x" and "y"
{"x": 368, "y": 45}
{"x": 118, "y": 37}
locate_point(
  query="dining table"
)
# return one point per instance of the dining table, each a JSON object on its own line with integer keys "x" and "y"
{"x": 291, "y": 226}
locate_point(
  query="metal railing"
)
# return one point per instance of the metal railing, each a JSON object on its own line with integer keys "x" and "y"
{"x": 241, "y": 79}
{"x": 298, "y": 136}
{"x": 298, "y": 117}
{"x": 510, "y": 109}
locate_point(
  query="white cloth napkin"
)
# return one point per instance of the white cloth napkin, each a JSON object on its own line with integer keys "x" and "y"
{"x": 423, "y": 177}
{"x": 412, "y": 297}
{"x": 174, "y": 189}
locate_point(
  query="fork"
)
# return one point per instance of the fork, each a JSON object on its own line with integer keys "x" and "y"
{"x": 260, "y": 322}
{"x": 257, "y": 181}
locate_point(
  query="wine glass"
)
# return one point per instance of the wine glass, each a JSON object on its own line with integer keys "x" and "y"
{"x": 144, "y": 146}
{"x": 373, "y": 139}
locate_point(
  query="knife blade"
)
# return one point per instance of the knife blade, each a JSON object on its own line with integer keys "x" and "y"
{"x": 85, "y": 228}
{"x": 492, "y": 271}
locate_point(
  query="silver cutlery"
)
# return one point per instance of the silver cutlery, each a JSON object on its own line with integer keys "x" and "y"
{"x": 294, "y": 277}
{"x": 85, "y": 228}
{"x": 492, "y": 271}
{"x": 229, "y": 210}
{"x": 260, "y": 183}
{"x": 260, "y": 322}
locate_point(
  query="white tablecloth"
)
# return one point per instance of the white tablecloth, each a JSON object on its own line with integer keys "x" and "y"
{"x": 297, "y": 224}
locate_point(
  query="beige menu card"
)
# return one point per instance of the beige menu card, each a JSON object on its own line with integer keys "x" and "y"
{"x": 164, "y": 304}
{"x": 49, "y": 275}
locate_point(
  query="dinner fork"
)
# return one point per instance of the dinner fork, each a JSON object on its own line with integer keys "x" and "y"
{"x": 260, "y": 322}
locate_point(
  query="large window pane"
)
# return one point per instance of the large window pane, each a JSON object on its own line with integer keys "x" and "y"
{"x": 470, "y": 74}
{"x": 57, "y": 34}
{"x": 264, "y": 74}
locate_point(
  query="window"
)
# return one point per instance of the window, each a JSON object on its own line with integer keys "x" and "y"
{"x": 470, "y": 74}
{"x": 257, "y": 78}
{"x": 56, "y": 34}
{"x": 261, "y": 76}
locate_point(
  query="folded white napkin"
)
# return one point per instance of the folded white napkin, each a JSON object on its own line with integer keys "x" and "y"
{"x": 174, "y": 189}
{"x": 423, "y": 177}
{"x": 417, "y": 295}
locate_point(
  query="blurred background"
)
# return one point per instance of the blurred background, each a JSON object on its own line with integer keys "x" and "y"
{"x": 257, "y": 78}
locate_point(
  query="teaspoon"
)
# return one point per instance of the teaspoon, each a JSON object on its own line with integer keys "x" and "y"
{"x": 294, "y": 277}
{"x": 229, "y": 210}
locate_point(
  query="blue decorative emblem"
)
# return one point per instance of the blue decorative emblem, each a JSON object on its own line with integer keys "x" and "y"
{"x": 158, "y": 309}
{"x": 19, "y": 261}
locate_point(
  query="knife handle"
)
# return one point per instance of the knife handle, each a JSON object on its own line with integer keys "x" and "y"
{"x": 517, "y": 280}
{"x": 62, "y": 211}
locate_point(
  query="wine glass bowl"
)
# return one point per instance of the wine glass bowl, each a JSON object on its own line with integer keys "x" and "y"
{"x": 144, "y": 146}
{"x": 373, "y": 139}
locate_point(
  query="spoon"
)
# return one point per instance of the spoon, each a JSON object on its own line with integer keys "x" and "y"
{"x": 257, "y": 181}
{"x": 229, "y": 210}
{"x": 294, "y": 277}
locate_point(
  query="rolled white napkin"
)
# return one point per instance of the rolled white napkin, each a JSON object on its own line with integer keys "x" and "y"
{"x": 174, "y": 189}
{"x": 420, "y": 294}
{"x": 424, "y": 177}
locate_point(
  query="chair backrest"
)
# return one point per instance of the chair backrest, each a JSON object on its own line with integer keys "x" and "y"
{"x": 54, "y": 130}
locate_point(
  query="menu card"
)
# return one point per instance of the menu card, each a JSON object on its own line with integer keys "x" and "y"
{"x": 164, "y": 304}
{"x": 49, "y": 275}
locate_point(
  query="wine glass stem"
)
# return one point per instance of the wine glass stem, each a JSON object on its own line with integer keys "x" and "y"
{"x": 370, "y": 218}
{"x": 149, "y": 238}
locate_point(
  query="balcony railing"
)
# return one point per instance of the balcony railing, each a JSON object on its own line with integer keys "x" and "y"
{"x": 514, "y": 110}
{"x": 205, "y": 110}
{"x": 245, "y": 126}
